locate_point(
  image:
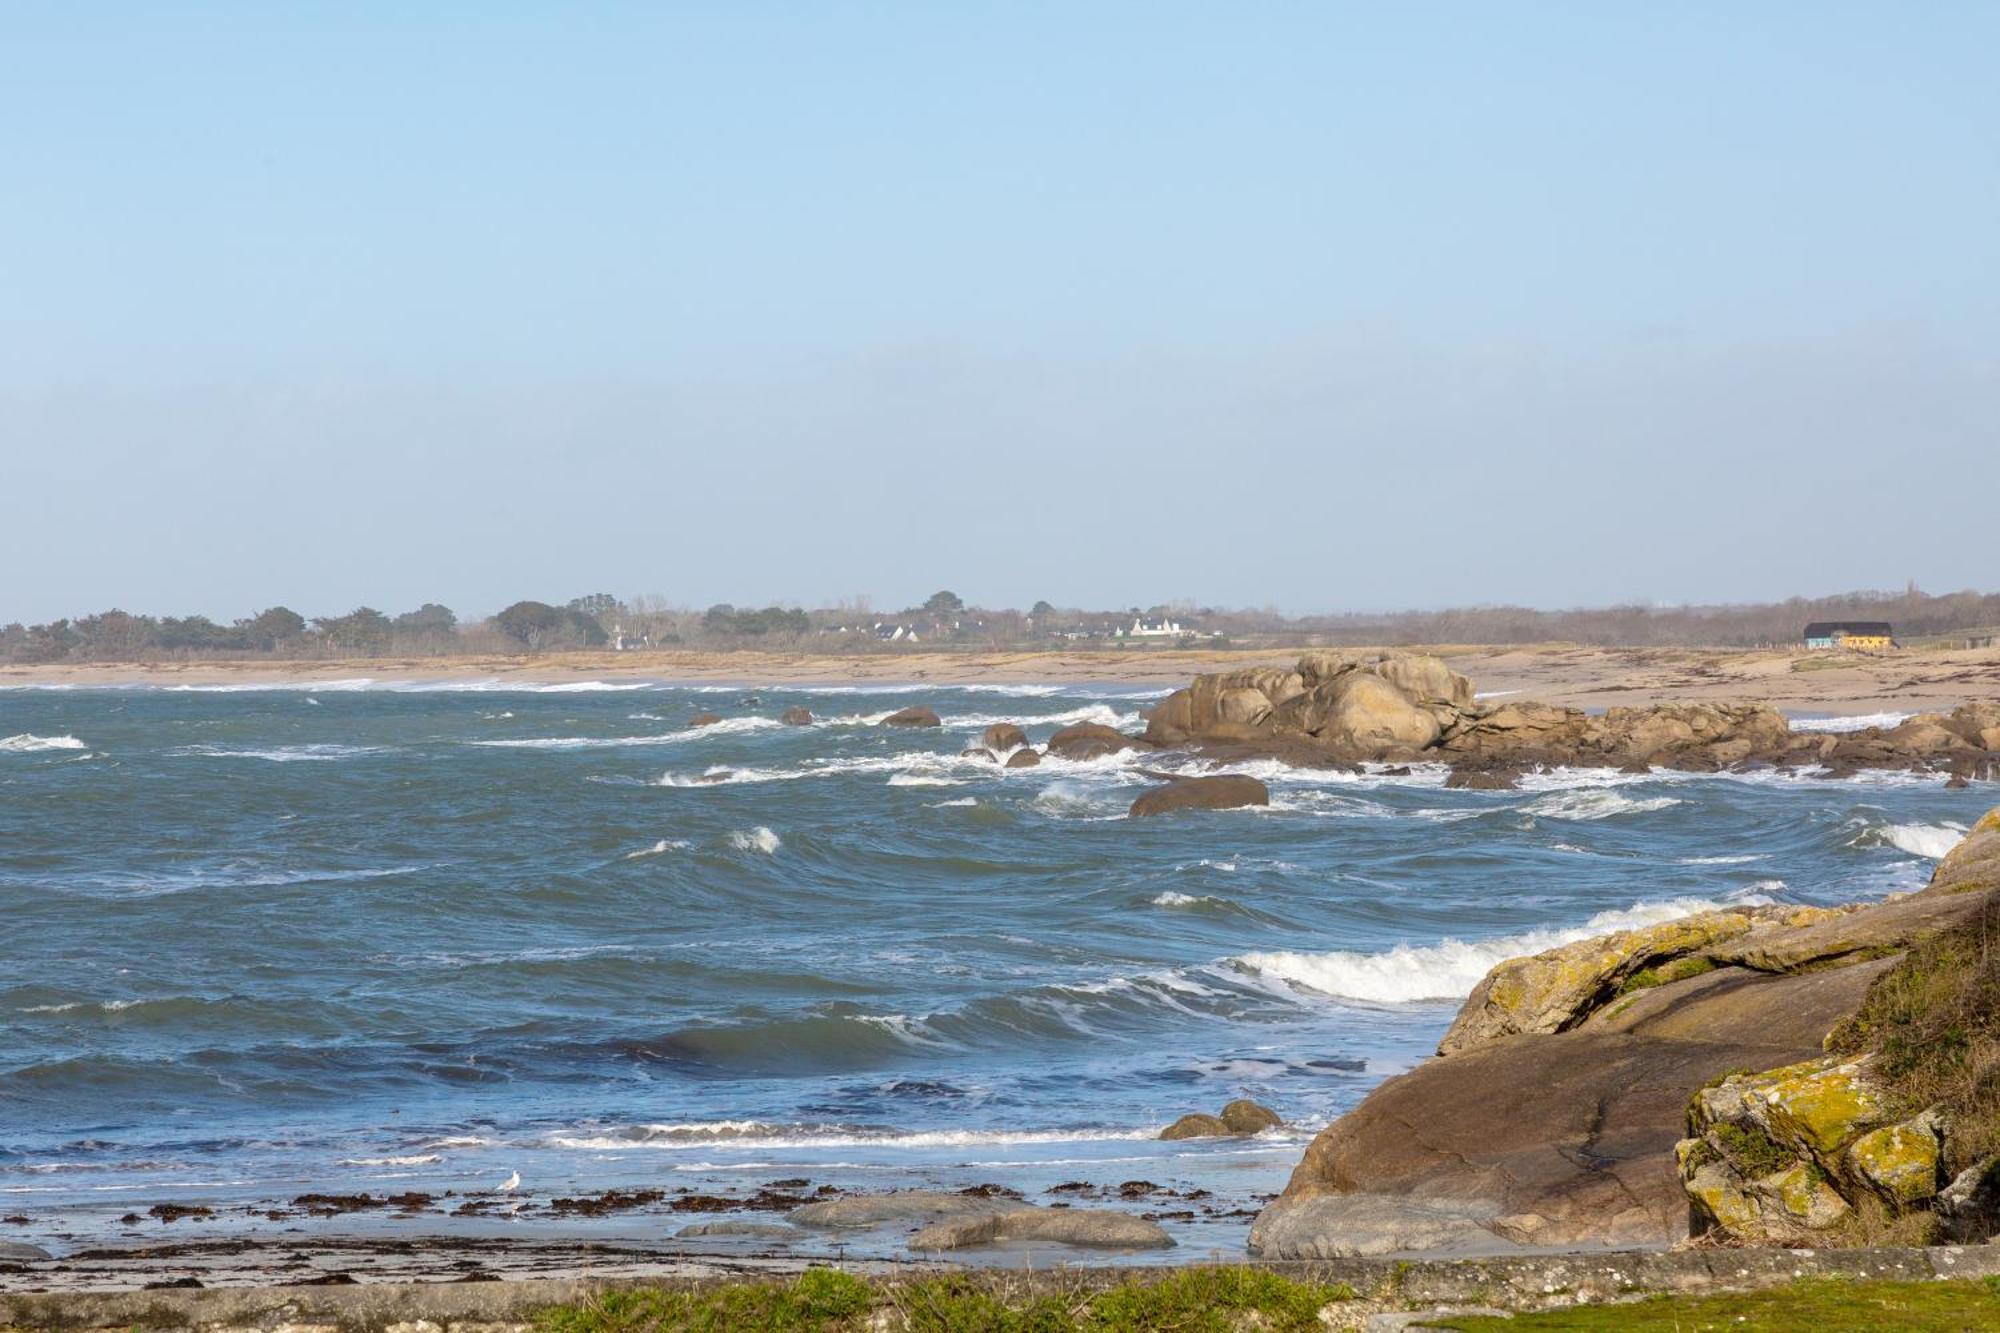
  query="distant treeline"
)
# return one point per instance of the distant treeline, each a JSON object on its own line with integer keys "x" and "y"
{"x": 602, "y": 621}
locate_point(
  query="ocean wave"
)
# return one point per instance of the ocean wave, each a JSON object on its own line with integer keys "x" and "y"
{"x": 759, "y": 839}
{"x": 1931, "y": 841}
{"x": 924, "y": 780}
{"x": 731, "y": 726}
{"x": 1449, "y": 969}
{"x": 763, "y": 1135}
{"x": 407, "y": 1159}
{"x": 1719, "y": 860}
{"x": 962, "y": 803}
{"x": 660, "y": 848}
{"x": 1593, "y": 803}
{"x": 1104, "y": 715}
{"x": 28, "y": 744}
{"x": 141, "y": 884}
{"x": 1859, "y": 722}
{"x": 322, "y": 752}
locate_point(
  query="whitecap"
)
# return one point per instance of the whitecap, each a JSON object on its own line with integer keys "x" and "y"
{"x": 1932, "y": 841}
{"x": 1593, "y": 803}
{"x": 407, "y": 1159}
{"x": 1859, "y": 722}
{"x": 923, "y": 780}
{"x": 731, "y": 726}
{"x": 279, "y": 754}
{"x": 660, "y": 848}
{"x": 1447, "y": 970}
{"x": 961, "y": 803}
{"x": 759, "y": 839}
{"x": 28, "y": 744}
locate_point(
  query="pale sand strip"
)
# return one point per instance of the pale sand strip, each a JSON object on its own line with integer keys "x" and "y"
{"x": 1556, "y": 673}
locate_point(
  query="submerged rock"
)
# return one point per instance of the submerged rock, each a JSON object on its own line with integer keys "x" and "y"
{"x": 874, "y": 1210}
{"x": 704, "y": 719}
{"x": 1223, "y": 791}
{"x": 915, "y": 716}
{"x": 737, "y": 1227}
{"x": 796, "y": 716}
{"x": 1093, "y": 1228}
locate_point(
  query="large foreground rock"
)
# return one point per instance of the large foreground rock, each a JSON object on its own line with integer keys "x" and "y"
{"x": 1092, "y": 1228}
{"x": 1559, "y": 1114}
{"x": 20, "y": 1252}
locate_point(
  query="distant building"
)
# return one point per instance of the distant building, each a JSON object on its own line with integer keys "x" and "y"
{"x": 1850, "y": 634}
{"x": 896, "y": 633}
{"x": 1146, "y": 627}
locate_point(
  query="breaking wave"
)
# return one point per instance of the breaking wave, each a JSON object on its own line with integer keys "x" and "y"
{"x": 731, "y": 726}
{"x": 1932, "y": 841}
{"x": 759, "y": 839}
{"x": 1593, "y": 803}
{"x": 1859, "y": 723}
{"x": 1447, "y": 970}
{"x": 321, "y": 753}
{"x": 712, "y": 1134}
{"x": 27, "y": 744}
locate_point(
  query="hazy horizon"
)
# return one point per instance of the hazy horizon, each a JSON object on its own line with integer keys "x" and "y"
{"x": 1325, "y": 310}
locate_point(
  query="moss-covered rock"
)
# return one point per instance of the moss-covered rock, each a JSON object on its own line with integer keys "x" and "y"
{"x": 1818, "y": 1110}
{"x": 1901, "y": 1163}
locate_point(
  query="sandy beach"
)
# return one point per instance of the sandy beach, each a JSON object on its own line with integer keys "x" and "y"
{"x": 1582, "y": 677}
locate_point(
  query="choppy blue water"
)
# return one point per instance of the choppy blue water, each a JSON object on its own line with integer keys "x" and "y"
{"x": 259, "y": 942}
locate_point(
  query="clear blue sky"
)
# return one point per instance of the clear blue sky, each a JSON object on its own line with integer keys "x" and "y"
{"x": 1316, "y": 305}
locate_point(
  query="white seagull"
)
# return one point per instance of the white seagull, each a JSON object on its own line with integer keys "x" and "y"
{"x": 511, "y": 1183}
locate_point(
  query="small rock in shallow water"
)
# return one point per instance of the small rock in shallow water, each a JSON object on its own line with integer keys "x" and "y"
{"x": 1066, "y": 1226}
{"x": 1244, "y": 1116}
{"x": 870, "y": 1210}
{"x": 796, "y": 716}
{"x": 1197, "y": 1126}
{"x": 759, "y": 1230}
{"x": 1224, "y": 791}
{"x": 918, "y": 716}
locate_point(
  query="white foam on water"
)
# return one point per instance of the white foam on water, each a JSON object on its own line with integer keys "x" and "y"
{"x": 320, "y": 753}
{"x": 1102, "y": 714}
{"x": 923, "y": 780}
{"x": 1932, "y": 841}
{"x": 1447, "y": 970}
{"x": 759, "y": 1135}
{"x": 729, "y": 726}
{"x": 408, "y": 1159}
{"x": 660, "y": 848}
{"x": 759, "y": 839}
{"x": 962, "y": 802}
{"x": 1720, "y": 860}
{"x": 1592, "y": 804}
{"x": 1859, "y": 722}
{"x": 24, "y": 743}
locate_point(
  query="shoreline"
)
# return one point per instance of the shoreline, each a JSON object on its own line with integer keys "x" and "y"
{"x": 1580, "y": 677}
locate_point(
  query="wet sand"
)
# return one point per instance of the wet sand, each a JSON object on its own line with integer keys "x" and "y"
{"x": 1582, "y": 677}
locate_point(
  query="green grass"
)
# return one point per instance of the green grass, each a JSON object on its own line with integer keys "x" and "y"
{"x": 1186, "y": 1300}
{"x": 1816, "y": 1306}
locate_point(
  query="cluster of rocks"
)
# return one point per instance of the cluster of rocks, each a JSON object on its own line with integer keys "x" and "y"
{"x": 1353, "y": 707}
{"x": 1596, "y": 1095}
{"x": 1239, "y": 1119}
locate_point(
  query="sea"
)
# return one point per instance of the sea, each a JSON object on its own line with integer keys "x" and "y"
{"x": 358, "y": 937}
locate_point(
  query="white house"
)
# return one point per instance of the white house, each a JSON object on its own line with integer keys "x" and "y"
{"x": 1146, "y": 627}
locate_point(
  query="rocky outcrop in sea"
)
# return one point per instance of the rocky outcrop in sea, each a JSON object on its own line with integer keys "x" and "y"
{"x": 1354, "y": 707}
{"x": 1758, "y": 1075}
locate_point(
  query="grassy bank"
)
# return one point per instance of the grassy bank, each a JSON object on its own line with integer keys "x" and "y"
{"x": 1226, "y": 1300}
